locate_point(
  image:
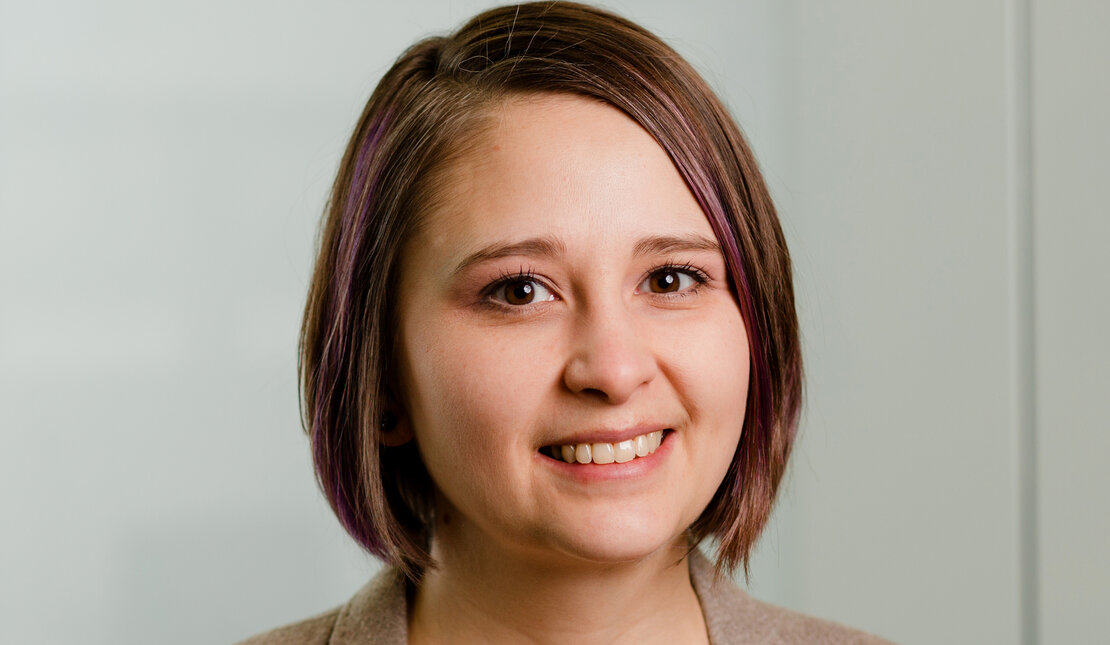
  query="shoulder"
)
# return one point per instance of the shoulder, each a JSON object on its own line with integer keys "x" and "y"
{"x": 313, "y": 631}
{"x": 778, "y": 625}
{"x": 376, "y": 614}
{"x": 735, "y": 618}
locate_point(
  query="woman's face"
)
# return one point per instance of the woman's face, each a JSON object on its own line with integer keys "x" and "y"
{"x": 569, "y": 292}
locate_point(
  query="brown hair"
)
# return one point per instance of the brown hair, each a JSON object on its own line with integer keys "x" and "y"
{"x": 418, "y": 119}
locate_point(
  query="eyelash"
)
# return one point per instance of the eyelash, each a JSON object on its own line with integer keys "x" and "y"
{"x": 699, "y": 276}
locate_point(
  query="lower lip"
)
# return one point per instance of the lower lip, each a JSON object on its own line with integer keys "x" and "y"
{"x": 592, "y": 473}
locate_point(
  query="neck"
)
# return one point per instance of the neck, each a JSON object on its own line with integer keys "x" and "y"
{"x": 480, "y": 593}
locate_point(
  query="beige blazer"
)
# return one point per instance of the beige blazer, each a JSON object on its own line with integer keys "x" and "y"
{"x": 378, "y": 614}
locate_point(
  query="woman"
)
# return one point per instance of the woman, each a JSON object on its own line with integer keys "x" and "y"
{"x": 550, "y": 346}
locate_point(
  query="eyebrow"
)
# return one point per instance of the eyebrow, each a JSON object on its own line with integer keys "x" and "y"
{"x": 663, "y": 244}
{"x": 547, "y": 246}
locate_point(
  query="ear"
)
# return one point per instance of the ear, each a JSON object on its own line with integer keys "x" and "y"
{"x": 394, "y": 430}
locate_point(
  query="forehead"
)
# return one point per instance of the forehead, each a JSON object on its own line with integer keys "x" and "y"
{"x": 560, "y": 166}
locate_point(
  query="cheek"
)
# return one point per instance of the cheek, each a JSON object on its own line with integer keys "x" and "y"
{"x": 713, "y": 383}
{"x": 732, "y": 371}
{"x": 473, "y": 398}
{"x": 712, "y": 362}
{"x": 469, "y": 391}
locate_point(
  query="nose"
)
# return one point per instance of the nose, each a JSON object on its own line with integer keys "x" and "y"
{"x": 610, "y": 357}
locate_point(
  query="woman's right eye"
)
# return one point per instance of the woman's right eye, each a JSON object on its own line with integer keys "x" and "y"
{"x": 521, "y": 291}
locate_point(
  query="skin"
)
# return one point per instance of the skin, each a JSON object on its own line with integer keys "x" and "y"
{"x": 528, "y": 552}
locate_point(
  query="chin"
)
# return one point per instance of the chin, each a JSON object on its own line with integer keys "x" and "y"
{"x": 621, "y": 542}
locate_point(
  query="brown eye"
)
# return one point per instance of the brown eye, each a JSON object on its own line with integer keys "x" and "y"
{"x": 519, "y": 293}
{"x": 663, "y": 281}
{"x": 670, "y": 280}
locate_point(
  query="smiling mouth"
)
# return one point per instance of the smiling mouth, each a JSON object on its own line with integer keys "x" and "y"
{"x": 607, "y": 453}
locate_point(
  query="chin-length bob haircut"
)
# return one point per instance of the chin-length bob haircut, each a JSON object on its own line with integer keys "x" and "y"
{"x": 421, "y": 117}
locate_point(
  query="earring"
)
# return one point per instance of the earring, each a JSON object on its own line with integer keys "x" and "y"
{"x": 388, "y": 421}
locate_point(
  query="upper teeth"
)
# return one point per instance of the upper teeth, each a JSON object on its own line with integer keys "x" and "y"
{"x": 607, "y": 453}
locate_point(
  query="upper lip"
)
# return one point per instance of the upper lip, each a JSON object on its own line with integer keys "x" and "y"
{"x": 608, "y": 435}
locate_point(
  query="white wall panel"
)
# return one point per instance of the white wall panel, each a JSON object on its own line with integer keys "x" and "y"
{"x": 1071, "y": 102}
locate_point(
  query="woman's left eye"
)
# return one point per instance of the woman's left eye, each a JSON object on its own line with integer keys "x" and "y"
{"x": 670, "y": 280}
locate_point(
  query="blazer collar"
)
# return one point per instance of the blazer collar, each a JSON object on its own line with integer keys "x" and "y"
{"x": 378, "y": 613}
